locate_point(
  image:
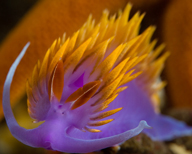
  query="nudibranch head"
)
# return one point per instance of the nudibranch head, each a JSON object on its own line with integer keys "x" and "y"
{"x": 80, "y": 89}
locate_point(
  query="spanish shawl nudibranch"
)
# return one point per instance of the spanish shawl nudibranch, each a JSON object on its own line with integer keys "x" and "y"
{"x": 86, "y": 93}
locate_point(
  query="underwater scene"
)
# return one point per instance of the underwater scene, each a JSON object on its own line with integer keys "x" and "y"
{"x": 96, "y": 77}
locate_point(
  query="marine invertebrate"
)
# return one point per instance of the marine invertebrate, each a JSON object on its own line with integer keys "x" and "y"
{"x": 80, "y": 89}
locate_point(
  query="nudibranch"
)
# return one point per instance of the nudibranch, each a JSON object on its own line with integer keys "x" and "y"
{"x": 96, "y": 89}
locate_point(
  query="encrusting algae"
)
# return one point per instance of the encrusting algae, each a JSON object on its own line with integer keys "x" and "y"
{"x": 96, "y": 89}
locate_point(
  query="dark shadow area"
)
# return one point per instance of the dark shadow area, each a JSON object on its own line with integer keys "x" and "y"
{"x": 11, "y": 11}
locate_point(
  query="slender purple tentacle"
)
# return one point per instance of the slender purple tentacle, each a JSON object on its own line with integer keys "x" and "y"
{"x": 84, "y": 146}
{"x": 22, "y": 134}
{"x": 11, "y": 121}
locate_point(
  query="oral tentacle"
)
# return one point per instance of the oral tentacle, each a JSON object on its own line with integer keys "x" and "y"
{"x": 20, "y": 133}
{"x": 84, "y": 146}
